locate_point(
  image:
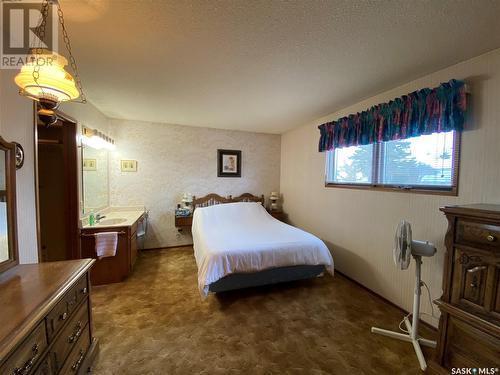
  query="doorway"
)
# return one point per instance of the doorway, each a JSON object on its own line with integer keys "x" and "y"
{"x": 57, "y": 190}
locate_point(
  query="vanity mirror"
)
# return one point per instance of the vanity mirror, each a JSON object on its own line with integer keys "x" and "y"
{"x": 94, "y": 178}
{"x": 8, "y": 235}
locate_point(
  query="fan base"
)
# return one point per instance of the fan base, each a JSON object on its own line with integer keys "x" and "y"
{"x": 416, "y": 341}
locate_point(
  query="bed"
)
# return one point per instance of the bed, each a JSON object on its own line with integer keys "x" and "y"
{"x": 238, "y": 244}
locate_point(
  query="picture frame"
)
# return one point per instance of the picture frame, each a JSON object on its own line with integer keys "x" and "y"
{"x": 228, "y": 163}
{"x": 128, "y": 165}
{"x": 89, "y": 164}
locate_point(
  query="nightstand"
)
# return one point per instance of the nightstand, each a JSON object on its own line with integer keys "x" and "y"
{"x": 183, "y": 221}
{"x": 279, "y": 215}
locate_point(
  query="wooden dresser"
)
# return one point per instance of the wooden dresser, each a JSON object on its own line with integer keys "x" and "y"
{"x": 469, "y": 328}
{"x": 46, "y": 319}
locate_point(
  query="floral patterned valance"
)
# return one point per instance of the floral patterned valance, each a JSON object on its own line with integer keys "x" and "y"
{"x": 425, "y": 111}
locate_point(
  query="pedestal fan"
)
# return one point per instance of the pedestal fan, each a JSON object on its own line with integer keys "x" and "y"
{"x": 404, "y": 249}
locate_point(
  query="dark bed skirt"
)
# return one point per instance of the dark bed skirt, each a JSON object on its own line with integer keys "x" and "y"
{"x": 265, "y": 277}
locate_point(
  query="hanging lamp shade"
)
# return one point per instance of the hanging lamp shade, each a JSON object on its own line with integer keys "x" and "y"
{"x": 54, "y": 83}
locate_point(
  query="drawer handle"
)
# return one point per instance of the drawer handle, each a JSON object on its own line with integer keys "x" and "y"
{"x": 63, "y": 316}
{"x": 474, "y": 283}
{"x": 490, "y": 238}
{"x": 476, "y": 269}
{"x": 29, "y": 364}
{"x": 77, "y": 364}
{"x": 84, "y": 290}
{"x": 76, "y": 334}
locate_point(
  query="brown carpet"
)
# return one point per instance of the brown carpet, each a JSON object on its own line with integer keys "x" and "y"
{"x": 156, "y": 323}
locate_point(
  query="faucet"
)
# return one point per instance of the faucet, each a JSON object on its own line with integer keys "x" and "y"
{"x": 99, "y": 217}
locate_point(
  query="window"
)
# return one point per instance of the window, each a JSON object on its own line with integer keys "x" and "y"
{"x": 425, "y": 163}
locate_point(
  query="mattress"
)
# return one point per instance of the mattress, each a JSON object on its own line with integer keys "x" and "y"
{"x": 243, "y": 238}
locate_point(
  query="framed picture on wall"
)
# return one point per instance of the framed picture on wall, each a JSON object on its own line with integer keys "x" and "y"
{"x": 90, "y": 164}
{"x": 228, "y": 163}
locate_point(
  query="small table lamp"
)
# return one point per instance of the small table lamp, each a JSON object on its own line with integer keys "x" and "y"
{"x": 274, "y": 200}
{"x": 187, "y": 199}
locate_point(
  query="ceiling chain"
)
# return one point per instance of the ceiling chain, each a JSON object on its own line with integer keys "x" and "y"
{"x": 72, "y": 60}
{"x": 40, "y": 31}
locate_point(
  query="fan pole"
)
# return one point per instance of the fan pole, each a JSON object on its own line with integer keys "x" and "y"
{"x": 416, "y": 314}
{"x": 416, "y": 298}
{"x": 412, "y": 335}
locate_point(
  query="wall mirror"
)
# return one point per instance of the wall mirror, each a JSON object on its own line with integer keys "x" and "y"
{"x": 95, "y": 178}
{"x": 8, "y": 225}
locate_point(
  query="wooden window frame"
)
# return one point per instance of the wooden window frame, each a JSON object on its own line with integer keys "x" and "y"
{"x": 421, "y": 189}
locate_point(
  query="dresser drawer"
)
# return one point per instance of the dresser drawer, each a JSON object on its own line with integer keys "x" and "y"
{"x": 82, "y": 289}
{"x": 495, "y": 301}
{"x": 477, "y": 234}
{"x": 475, "y": 283}
{"x": 61, "y": 313}
{"x": 183, "y": 221}
{"x": 69, "y": 336}
{"x": 77, "y": 355}
{"x": 45, "y": 367}
{"x": 27, "y": 355}
{"x": 469, "y": 346}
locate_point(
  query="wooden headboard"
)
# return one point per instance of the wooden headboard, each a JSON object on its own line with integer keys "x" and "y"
{"x": 212, "y": 199}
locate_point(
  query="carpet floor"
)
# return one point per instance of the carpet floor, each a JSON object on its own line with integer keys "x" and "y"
{"x": 156, "y": 323}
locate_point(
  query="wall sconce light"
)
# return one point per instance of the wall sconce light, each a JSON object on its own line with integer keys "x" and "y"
{"x": 96, "y": 139}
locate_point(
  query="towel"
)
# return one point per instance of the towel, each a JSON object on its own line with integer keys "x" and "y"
{"x": 105, "y": 244}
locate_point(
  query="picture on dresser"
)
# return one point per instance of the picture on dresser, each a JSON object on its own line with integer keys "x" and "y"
{"x": 228, "y": 163}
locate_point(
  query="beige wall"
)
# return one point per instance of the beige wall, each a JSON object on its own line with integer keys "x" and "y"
{"x": 359, "y": 225}
{"x": 174, "y": 159}
{"x": 16, "y": 124}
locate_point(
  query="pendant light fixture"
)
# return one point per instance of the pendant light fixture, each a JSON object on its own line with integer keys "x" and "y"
{"x": 43, "y": 78}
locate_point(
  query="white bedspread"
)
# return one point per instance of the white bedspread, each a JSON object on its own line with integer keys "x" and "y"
{"x": 243, "y": 237}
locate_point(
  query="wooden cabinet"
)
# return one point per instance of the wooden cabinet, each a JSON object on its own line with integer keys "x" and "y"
{"x": 183, "y": 221}
{"x": 469, "y": 328}
{"x": 47, "y": 319}
{"x": 111, "y": 269}
{"x": 279, "y": 215}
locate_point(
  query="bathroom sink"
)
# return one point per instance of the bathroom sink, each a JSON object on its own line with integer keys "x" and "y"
{"x": 113, "y": 221}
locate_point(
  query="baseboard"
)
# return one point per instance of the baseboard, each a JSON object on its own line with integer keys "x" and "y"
{"x": 166, "y": 247}
{"x": 386, "y": 300}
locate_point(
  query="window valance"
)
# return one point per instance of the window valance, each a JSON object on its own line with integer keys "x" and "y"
{"x": 425, "y": 111}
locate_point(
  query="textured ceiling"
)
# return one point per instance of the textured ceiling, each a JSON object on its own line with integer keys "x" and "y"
{"x": 264, "y": 66}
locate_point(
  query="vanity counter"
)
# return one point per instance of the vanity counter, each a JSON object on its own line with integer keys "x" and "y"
{"x": 115, "y": 218}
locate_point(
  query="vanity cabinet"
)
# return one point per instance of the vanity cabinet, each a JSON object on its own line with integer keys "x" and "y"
{"x": 49, "y": 326}
{"x": 112, "y": 269}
